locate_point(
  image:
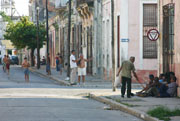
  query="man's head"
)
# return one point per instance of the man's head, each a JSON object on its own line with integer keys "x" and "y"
{"x": 173, "y": 79}
{"x": 132, "y": 59}
{"x": 73, "y": 52}
{"x": 151, "y": 77}
{"x": 161, "y": 76}
{"x": 81, "y": 56}
{"x": 25, "y": 59}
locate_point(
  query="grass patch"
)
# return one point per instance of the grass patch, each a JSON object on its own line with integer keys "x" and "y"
{"x": 163, "y": 113}
{"x": 119, "y": 101}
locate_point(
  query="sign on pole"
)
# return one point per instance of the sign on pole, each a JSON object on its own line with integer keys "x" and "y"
{"x": 153, "y": 34}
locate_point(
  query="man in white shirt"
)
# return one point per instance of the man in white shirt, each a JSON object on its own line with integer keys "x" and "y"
{"x": 73, "y": 65}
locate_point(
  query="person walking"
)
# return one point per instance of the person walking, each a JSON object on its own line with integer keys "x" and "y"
{"x": 73, "y": 66}
{"x": 26, "y": 66}
{"x": 82, "y": 68}
{"x": 8, "y": 61}
{"x": 4, "y": 64}
{"x": 60, "y": 64}
{"x": 57, "y": 62}
{"x": 48, "y": 67}
{"x": 127, "y": 68}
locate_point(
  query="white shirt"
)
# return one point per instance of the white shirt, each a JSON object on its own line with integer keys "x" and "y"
{"x": 73, "y": 64}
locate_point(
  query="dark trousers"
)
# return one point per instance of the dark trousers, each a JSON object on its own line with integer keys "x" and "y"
{"x": 123, "y": 88}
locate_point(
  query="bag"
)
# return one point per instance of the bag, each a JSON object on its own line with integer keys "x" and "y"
{"x": 117, "y": 82}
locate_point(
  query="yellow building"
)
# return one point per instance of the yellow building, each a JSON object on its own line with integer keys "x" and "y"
{"x": 9, "y": 48}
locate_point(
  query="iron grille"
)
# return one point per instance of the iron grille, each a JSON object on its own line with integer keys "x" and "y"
{"x": 149, "y": 22}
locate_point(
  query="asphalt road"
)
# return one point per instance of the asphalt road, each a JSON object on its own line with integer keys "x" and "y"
{"x": 45, "y": 100}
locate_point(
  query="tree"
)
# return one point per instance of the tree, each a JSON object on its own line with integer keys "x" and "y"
{"x": 24, "y": 34}
{"x": 5, "y": 17}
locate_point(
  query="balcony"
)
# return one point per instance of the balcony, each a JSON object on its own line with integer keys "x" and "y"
{"x": 60, "y": 4}
{"x": 89, "y": 2}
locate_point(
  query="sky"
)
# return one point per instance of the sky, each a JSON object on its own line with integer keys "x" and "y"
{"x": 22, "y": 7}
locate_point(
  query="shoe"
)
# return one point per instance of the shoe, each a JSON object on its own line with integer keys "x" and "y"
{"x": 122, "y": 96}
{"x": 128, "y": 96}
{"x": 78, "y": 84}
{"x": 83, "y": 84}
{"x": 74, "y": 83}
{"x": 132, "y": 94}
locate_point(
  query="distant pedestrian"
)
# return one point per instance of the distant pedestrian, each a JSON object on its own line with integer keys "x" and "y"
{"x": 34, "y": 60}
{"x": 48, "y": 65}
{"x": 57, "y": 62}
{"x": 60, "y": 64}
{"x": 73, "y": 65}
{"x": 82, "y": 68}
{"x": 127, "y": 68}
{"x": 8, "y": 62}
{"x": 26, "y": 66}
{"x": 4, "y": 63}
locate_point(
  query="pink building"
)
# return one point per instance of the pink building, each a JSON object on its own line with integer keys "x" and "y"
{"x": 133, "y": 19}
{"x": 169, "y": 50}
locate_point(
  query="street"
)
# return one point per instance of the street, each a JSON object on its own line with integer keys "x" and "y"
{"x": 45, "y": 100}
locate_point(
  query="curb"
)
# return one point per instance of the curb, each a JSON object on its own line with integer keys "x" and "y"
{"x": 123, "y": 108}
{"x": 62, "y": 82}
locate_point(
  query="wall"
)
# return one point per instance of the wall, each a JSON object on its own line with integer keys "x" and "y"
{"x": 106, "y": 39}
{"x": 131, "y": 28}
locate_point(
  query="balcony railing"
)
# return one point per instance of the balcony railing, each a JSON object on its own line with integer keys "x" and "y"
{"x": 60, "y": 3}
{"x": 79, "y": 2}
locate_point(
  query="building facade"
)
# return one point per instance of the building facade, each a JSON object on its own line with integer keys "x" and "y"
{"x": 133, "y": 19}
{"x": 169, "y": 51}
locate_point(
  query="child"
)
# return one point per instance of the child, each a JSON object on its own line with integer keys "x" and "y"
{"x": 26, "y": 65}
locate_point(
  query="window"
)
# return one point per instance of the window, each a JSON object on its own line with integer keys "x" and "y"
{"x": 149, "y": 22}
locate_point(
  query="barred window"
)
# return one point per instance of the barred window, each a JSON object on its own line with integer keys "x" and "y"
{"x": 149, "y": 22}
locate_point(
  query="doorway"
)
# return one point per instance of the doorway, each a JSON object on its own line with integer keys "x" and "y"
{"x": 168, "y": 37}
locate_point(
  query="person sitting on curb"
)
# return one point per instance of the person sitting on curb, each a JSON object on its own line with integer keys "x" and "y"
{"x": 148, "y": 86}
{"x": 153, "y": 90}
{"x": 169, "y": 90}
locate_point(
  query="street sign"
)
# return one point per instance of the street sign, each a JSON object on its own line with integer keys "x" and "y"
{"x": 125, "y": 40}
{"x": 153, "y": 34}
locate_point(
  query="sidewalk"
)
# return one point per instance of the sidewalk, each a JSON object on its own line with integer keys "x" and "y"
{"x": 91, "y": 81}
{"x": 137, "y": 106}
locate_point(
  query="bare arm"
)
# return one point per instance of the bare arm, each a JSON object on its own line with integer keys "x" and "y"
{"x": 135, "y": 75}
{"x": 87, "y": 60}
{"x": 119, "y": 71}
{"x": 76, "y": 60}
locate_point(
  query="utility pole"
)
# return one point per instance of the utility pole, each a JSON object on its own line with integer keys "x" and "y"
{"x": 113, "y": 47}
{"x": 38, "y": 47}
{"x": 47, "y": 29}
{"x": 69, "y": 38}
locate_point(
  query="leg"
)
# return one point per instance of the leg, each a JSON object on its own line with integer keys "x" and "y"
{"x": 79, "y": 79}
{"x": 123, "y": 88}
{"x": 83, "y": 78}
{"x": 28, "y": 77}
{"x": 73, "y": 75}
{"x": 25, "y": 77}
{"x": 128, "y": 87}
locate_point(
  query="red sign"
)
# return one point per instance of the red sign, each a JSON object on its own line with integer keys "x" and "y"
{"x": 153, "y": 34}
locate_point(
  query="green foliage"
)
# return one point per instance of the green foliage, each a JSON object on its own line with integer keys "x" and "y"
{"x": 24, "y": 34}
{"x": 163, "y": 113}
{"x": 5, "y": 17}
